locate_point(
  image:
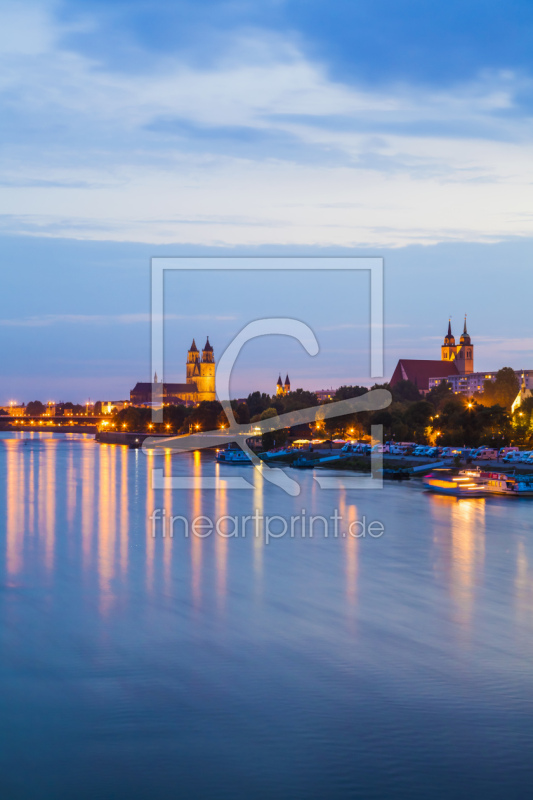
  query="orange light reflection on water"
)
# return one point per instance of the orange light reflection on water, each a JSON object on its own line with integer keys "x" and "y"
{"x": 150, "y": 539}
{"x": 88, "y": 457}
{"x": 14, "y": 506}
{"x": 222, "y": 527}
{"x": 196, "y": 541}
{"x": 464, "y": 531}
{"x": 348, "y": 514}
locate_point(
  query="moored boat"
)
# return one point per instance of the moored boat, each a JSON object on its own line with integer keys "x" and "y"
{"x": 305, "y": 463}
{"x": 515, "y": 485}
{"x": 454, "y": 485}
{"x": 277, "y": 452}
{"x": 511, "y": 485}
{"x": 233, "y": 455}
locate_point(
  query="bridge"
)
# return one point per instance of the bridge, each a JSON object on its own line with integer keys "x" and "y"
{"x": 89, "y": 421}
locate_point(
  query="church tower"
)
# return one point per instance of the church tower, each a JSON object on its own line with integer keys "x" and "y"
{"x": 206, "y": 379}
{"x": 279, "y": 387}
{"x": 449, "y": 348}
{"x": 464, "y": 359}
{"x": 287, "y": 387}
{"x": 193, "y": 363}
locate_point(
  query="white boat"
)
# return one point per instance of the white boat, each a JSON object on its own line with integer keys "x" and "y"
{"x": 454, "y": 485}
{"x": 233, "y": 455}
{"x": 512, "y": 485}
{"x": 500, "y": 483}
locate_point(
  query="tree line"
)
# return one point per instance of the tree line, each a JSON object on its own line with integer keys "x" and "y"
{"x": 440, "y": 417}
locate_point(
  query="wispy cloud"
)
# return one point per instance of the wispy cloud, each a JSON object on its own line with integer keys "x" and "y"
{"x": 358, "y": 326}
{"x": 260, "y": 145}
{"x": 46, "y": 320}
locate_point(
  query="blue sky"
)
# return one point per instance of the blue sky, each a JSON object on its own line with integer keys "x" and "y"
{"x": 134, "y": 129}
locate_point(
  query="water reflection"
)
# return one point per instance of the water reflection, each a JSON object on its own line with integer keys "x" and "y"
{"x": 106, "y": 524}
{"x": 348, "y": 514}
{"x": 31, "y": 495}
{"x": 258, "y": 529}
{"x": 47, "y": 499}
{"x": 151, "y": 529}
{"x": 523, "y": 584}
{"x": 223, "y": 526}
{"x": 123, "y": 488}
{"x": 88, "y": 457}
{"x": 14, "y": 507}
{"x": 71, "y": 489}
{"x": 462, "y": 536}
{"x": 196, "y": 541}
{"x": 168, "y": 542}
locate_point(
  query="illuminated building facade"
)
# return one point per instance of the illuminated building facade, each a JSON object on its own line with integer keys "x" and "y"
{"x": 199, "y": 385}
{"x": 283, "y": 388}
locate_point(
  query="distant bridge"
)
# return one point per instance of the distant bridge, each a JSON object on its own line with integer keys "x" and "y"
{"x": 35, "y": 422}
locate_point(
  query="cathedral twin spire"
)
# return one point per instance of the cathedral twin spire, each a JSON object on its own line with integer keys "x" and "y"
{"x": 207, "y": 352}
{"x": 462, "y": 353}
{"x": 450, "y": 335}
{"x": 283, "y": 388}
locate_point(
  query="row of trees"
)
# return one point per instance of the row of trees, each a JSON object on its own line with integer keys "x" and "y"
{"x": 441, "y": 417}
{"x": 209, "y": 415}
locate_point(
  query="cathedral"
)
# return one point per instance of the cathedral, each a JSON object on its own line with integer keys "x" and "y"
{"x": 201, "y": 371}
{"x": 199, "y": 385}
{"x": 282, "y": 389}
{"x": 462, "y": 354}
{"x": 456, "y": 366}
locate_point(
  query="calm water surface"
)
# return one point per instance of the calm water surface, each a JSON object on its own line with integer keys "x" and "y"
{"x": 141, "y": 667}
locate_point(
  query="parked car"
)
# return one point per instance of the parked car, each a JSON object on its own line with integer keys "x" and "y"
{"x": 524, "y": 455}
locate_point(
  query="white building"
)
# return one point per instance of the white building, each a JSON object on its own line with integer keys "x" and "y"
{"x": 473, "y": 382}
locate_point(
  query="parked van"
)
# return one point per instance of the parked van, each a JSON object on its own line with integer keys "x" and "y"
{"x": 463, "y": 452}
{"x": 504, "y": 451}
{"x": 449, "y": 452}
{"x": 513, "y": 456}
{"x": 380, "y": 448}
{"x": 397, "y": 450}
{"x": 487, "y": 454}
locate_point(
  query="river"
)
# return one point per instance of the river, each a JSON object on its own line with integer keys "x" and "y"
{"x": 265, "y": 664}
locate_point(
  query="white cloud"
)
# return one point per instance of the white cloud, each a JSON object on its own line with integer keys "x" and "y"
{"x": 45, "y": 320}
{"x": 368, "y": 178}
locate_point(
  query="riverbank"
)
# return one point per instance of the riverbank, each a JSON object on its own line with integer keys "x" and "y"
{"x": 66, "y": 427}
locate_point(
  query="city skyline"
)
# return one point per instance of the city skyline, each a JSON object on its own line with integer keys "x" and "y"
{"x": 258, "y": 132}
